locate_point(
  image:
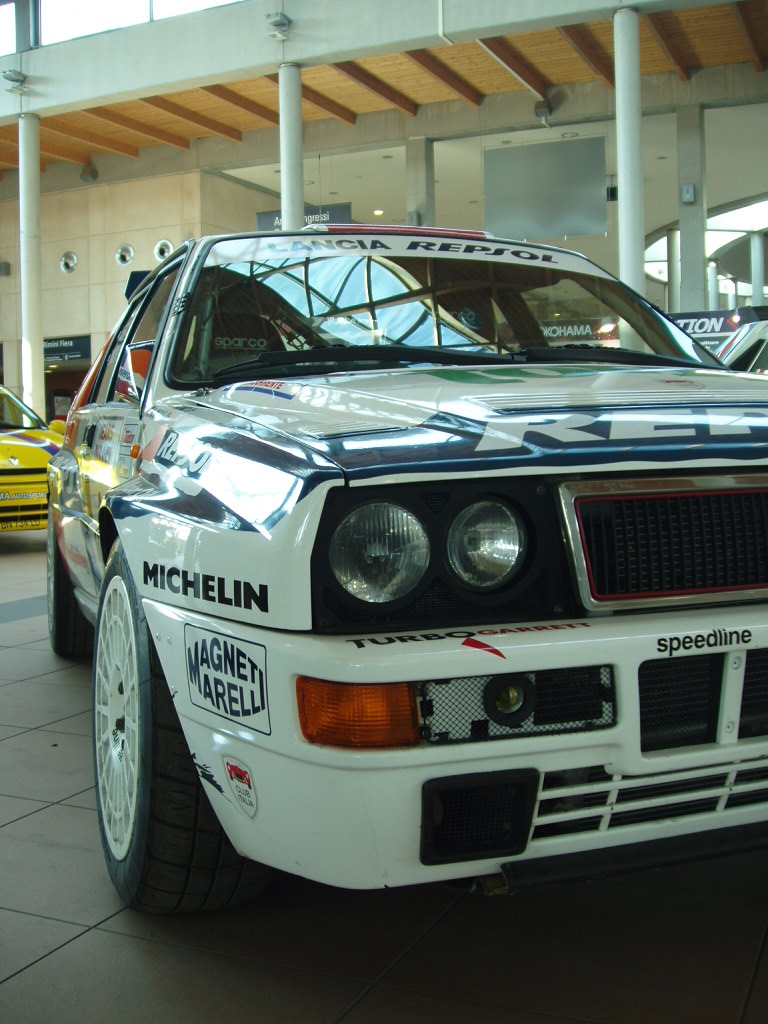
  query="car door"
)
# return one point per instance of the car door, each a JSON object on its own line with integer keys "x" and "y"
{"x": 103, "y": 427}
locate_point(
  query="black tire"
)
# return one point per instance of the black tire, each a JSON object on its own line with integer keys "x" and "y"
{"x": 71, "y": 634}
{"x": 165, "y": 849}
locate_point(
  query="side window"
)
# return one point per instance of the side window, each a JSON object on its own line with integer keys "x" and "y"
{"x": 128, "y": 363}
{"x": 760, "y": 362}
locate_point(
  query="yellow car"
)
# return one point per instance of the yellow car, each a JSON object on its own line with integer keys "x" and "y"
{"x": 26, "y": 445}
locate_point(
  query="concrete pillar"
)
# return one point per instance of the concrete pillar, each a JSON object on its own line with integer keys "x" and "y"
{"x": 32, "y": 362}
{"x": 757, "y": 262}
{"x": 693, "y": 207}
{"x": 420, "y": 181}
{"x": 629, "y": 148}
{"x": 673, "y": 271}
{"x": 713, "y": 287}
{"x": 12, "y": 367}
{"x": 291, "y": 148}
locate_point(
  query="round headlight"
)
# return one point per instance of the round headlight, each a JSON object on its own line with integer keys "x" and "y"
{"x": 486, "y": 545}
{"x": 379, "y": 552}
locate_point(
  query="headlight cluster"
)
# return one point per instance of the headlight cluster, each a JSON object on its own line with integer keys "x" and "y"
{"x": 381, "y": 551}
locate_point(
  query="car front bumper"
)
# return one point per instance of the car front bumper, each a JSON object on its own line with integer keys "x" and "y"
{"x": 466, "y": 803}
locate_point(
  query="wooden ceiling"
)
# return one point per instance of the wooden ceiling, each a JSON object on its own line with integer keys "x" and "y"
{"x": 680, "y": 42}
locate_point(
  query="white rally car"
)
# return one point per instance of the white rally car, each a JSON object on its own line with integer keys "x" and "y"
{"x": 411, "y": 555}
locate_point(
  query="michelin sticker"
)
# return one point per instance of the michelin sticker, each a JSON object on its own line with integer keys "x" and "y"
{"x": 228, "y": 677}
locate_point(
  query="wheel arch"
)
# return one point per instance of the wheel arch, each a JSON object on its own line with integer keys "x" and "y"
{"x": 107, "y": 532}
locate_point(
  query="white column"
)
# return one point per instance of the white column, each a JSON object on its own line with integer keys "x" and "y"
{"x": 673, "y": 271}
{"x": 713, "y": 287}
{"x": 629, "y": 148}
{"x": 32, "y": 363}
{"x": 693, "y": 207}
{"x": 420, "y": 181}
{"x": 757, "y": 253}
{"x": 12, "y": 367}
{"x": 291, "y": 148}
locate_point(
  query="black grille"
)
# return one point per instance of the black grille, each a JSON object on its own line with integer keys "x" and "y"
{"x": 648, "y": 546}
{"x": 641, "y": 815}
{"x": 679, "y": 701}
{"x": 754, "y": 700}
{"x": 586, "y": 799}
{"x": 471, "y": 817}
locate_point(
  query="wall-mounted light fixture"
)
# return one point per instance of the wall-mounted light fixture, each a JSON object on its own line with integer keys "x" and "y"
{"x": 163, "y": 248}
{"x": 124, "y": 255}
{"x": 68, "y": 262}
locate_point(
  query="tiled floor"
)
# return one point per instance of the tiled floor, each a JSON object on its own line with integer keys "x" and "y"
{"x": 684, "y": 945}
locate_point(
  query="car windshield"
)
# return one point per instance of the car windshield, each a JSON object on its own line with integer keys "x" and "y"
{"x": 253, "y": 313}
{"x": 14, "y": 415}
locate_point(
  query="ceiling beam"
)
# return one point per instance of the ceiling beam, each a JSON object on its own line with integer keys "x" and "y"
{"x": 323, "y": 102}
{"x": 582, "y": 43}
{"x": 377, "y": 87}
{"x": 424, "y": 59}
{"x": 221, "y": 92}
{"x": 192, "y": 117}
{"x": 328, "y": 105}
{"x": 739, "y": 13}
{"x": 59, "y": 152}
{"x": 91, "y": 139}
{"x": 139, "y": 127}
{"x": 511, "y": 61}
{"x": 666, "y": 44}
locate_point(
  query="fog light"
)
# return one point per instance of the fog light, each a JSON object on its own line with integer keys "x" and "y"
{"x": 510, "y": 699}
{"x": 372, "y": 715}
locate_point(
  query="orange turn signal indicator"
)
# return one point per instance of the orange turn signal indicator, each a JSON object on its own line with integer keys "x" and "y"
{"x": 358, "y": 715}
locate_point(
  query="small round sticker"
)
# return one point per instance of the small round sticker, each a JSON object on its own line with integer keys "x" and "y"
{"x": 241, "y": 783}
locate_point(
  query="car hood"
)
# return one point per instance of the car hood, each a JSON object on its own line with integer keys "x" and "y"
{"x": 563, "y": 415}
{"x": 27, "y": 449}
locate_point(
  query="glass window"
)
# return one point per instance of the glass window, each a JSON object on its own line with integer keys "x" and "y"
{"x": 71, "y": 19}
{"x": 170, "y": 8}
{"x": 14, "y": 415}
{"x": 134, "y": 345}
{"x": 7, "y": 29}
{"x": 245, "y": 310}
{"x": 74, "y": 18}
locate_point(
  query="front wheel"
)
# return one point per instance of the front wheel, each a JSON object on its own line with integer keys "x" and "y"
{"x": 164, "y": 847}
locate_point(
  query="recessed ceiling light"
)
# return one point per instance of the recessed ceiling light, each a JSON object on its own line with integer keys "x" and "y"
{"x": 569, "y": 135}
{"x": 378, "y": 213}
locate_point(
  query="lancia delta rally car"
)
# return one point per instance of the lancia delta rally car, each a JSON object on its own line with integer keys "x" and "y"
{"x": 411, "y": 556}
{"x": 26, "y": 445}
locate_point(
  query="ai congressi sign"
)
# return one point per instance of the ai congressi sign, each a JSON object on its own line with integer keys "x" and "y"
{"x": 338, "y": 213}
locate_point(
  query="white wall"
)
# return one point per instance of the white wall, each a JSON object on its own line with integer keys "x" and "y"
{"x": 93, "y": 222}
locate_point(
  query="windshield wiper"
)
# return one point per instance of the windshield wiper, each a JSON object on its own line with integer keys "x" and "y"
{"x": 602, "y": 354}
{"x": 343, "y": 355}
